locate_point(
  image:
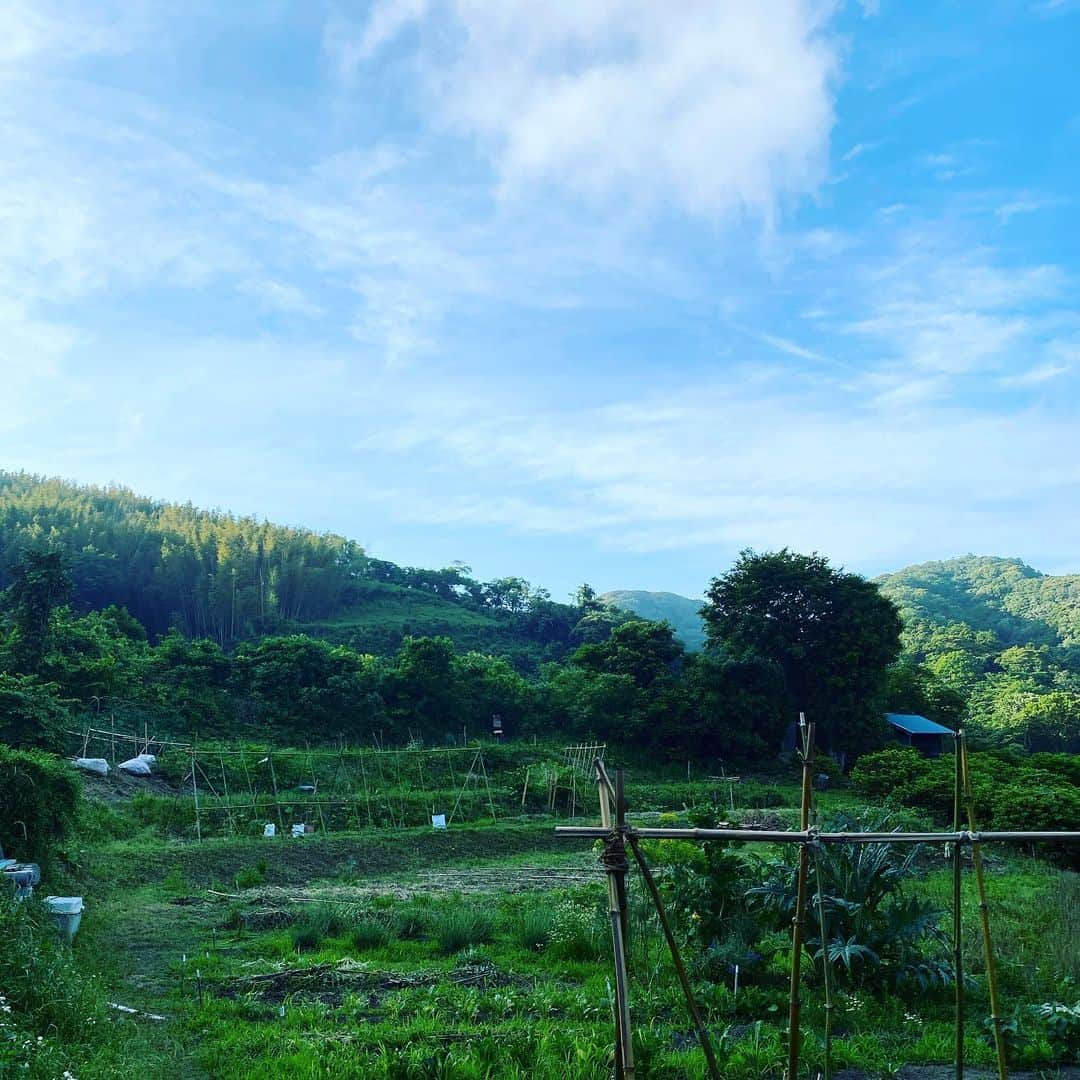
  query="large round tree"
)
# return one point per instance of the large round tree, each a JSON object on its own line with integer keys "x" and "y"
{"x": 832, "y": 634}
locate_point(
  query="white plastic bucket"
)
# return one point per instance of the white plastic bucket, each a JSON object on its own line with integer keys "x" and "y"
{"x": 66, "y": 912}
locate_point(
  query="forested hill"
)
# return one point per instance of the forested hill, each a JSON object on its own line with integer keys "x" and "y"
{"x": 1006, "y": 597}
{"x": 1002, "y": 636}
{"x": 681, "y": 612}
{"x": 215, "y": 575}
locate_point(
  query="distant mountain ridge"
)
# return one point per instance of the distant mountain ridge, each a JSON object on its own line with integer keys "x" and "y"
{"x": 1005, "y": 596}
{"x": 682, "y": 612}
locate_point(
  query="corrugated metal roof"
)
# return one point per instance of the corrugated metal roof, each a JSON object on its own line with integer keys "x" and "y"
{"x": 916, "y": 725}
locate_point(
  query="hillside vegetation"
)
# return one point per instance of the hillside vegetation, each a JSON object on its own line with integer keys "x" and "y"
{"x": 210, "y": 574}
{"x": 1003, "y": 637}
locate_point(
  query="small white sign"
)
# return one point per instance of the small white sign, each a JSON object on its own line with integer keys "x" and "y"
{"x": 438, "y": 821}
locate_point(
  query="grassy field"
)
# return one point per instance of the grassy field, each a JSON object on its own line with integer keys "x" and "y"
{"x": 387, "y": 614}
{"x": 483, "y": 952}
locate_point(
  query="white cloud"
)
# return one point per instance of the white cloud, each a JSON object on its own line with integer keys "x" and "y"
{"x": 859, "y": 149}
{"x": 940, "y": 310}
{"x": 1036, "y": 375}
{"x": 1024, "y": 203}
{"x": 715, "y": 108}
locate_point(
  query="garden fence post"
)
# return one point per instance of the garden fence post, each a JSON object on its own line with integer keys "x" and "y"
{"x": 984, "y": 913}
{"x": 799, "y": 921}
{"x": 614, "y": 860}
{"x": 958, "y": 971}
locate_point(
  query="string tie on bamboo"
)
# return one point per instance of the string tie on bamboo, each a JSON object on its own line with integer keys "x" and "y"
{"x": 613, "y": 856}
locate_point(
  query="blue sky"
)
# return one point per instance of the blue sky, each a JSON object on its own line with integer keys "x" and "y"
{"x": 598, "y": 291}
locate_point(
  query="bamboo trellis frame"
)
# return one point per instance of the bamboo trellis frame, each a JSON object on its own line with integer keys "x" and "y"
{"x": 617, "y": 835}
{"x": 352, "y": 765}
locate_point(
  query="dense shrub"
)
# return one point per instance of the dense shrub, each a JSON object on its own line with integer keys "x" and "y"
{"x": 1066, "y": 766}
{"x": 578, "y": 931}
{"x": 39, "y": 795}
{"x": 1010, "y": 791}
{"x": 888, "y": 772}
{"x": 248, "y": 877}
{"x": 1037, "y": 802}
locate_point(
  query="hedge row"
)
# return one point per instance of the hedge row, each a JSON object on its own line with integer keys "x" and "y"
{"x": 39, "y": 794}
{"x": 1010, "y": 791}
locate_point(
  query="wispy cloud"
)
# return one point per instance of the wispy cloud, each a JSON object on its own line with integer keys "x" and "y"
{"x": 721, "y": 108}
{"x": 559, "y": 274}
{"x": 1025, "y": 203}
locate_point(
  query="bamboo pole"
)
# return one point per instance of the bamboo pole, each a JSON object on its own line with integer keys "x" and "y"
{"x": 367, "y": 792}
{"x": 984, "y": 914}
{"x": 315, "y": 785}
{"x": 487, "y": 787}
{"x": 797, "y": 836}
{"x": 195, "y": 793}
{"x": 676, "y": 957}
{"x": 624, "y": 1045}
{"x": 251, "y": 789}
{"x": 798, "y": 932}
{"x": 277, "y": 799}
{"x": 228, "y": 798}
{"x": 957, "y": 861}
{"x": 464, "y": 785}
{"x": 620, "y": 879}
{"x": 826, "y": 965}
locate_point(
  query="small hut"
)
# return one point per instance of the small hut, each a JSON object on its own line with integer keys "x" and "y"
{"x": 919, "y": 732}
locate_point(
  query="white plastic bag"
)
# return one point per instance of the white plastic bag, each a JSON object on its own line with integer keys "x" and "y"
{"x": 137, "y": 766}
{"x": 96, "y": 765}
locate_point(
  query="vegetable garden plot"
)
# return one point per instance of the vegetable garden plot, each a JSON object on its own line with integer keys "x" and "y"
{"x": 618, "y": 838}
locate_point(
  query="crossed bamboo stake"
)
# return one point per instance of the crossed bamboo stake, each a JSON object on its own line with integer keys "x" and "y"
{"x": 618, "y": 836}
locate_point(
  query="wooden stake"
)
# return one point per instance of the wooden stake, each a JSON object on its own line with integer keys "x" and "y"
{"x": 195, "y": 793}
{"x": 487, "y": 786}
{"x": 624, "y": 1045}
{"x": 277, "y": 801}
{"x": 958, "y": 969}
{"x": 367, "y": 793}
{"x": 826, "y": 970}
{"x": 798, "y": 933}
{"x": 228, "y": 799}
{"x": 984, "y": 914}
{"x": 620, "y": 879}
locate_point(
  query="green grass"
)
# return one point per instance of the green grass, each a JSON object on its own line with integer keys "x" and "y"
{"x": 458, "y": 927}
{"x": 496, "y": 984}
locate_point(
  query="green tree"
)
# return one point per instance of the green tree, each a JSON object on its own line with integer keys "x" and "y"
{"x": 832, "y": 634}
{"x": 912, "y": 688}
{"x": 739, "y": 707}
{"x": 307, "y": 685}
{"x": 421, "y": 689}
{"x": 40, "y": 582}
{"x": 645, "y": 651}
